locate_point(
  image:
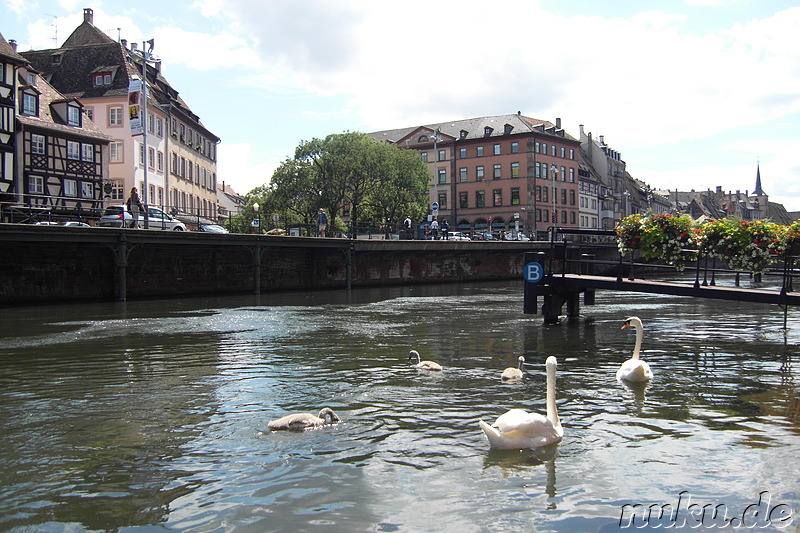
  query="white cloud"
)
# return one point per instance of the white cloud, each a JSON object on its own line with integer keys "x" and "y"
{"x": 239, "y": 167}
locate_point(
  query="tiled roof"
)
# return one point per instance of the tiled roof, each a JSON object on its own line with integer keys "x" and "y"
{"x": 7, "y": 52}
{"x": 476, "y": 127}
{"x": 47, "y": 120}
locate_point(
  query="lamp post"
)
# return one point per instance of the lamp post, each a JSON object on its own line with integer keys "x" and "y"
{"x": 554, "y": 171}
{"x": 257, "y": 220}
{"x": 626, "y": 195}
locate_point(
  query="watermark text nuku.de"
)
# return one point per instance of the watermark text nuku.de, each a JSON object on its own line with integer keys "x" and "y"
{"x": 684, "y": 513}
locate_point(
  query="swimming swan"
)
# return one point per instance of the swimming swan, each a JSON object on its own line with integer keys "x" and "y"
{"x": 303, "y": 421}
{"x": 423, "y": 365}
{"x": 518, "y": 429}
{"x": 512, "y": 373}
{"x": 634, "y": 369}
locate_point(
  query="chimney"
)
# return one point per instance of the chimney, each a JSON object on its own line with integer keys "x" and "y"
{"x": 558, "y": 123}
{"x": 13, "y": 44}
{"x": 88, "y": 15}
{"x": 602, "y": 140}
{"x": 134, "y": 46}
{"x": 580, "y": 127}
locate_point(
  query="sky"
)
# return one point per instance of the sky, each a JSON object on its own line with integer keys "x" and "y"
{"x": 694, "y": 94}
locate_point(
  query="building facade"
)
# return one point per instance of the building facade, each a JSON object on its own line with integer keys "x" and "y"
{"x": 10, "y": 62}
{"x": 498, "y": 173}
{"x": 173, "y": 163}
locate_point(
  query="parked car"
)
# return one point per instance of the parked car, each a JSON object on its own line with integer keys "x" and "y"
{"x": 457, "y": 236}
{"x": 484, "y": 237}
{"x": 211, "y": 228}
{"x": 75, "y": 223}
{"x": 518, "y": 236}
{"x": 117, "y": 216}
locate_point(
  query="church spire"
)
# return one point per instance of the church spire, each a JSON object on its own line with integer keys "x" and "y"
{"x": 758, "y": 191}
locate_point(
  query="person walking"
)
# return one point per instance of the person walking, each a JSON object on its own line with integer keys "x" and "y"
{"x": 322, "y": 221}
{"x": 134, "y": 207}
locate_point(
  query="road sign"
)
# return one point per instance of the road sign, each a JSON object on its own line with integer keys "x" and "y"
{"x": 435, "y": 206}
{"x": 533, "y": 272}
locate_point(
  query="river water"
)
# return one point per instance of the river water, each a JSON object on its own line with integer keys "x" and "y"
{"x": 152, "y": 415}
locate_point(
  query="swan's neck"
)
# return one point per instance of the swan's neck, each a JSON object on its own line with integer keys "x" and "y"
{"x": 638, "y": 345}
{"x": 552, "y": 411}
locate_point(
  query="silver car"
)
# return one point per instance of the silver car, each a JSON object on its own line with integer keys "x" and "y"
{"x": 117, "y": 216}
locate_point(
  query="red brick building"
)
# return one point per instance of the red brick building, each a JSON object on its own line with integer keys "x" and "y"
{"x": 490, "y": 172}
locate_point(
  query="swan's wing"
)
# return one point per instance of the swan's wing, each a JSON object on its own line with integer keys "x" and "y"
{"x": 519, "y": 429}
{"x": 635, "y": 370}
{"x": 522, "y": 421}
{"x": 295, "y": 422}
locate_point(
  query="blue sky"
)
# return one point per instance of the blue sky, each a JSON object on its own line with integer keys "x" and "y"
{"x": 692, "y": 93}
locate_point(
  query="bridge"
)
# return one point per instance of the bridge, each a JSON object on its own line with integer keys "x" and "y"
{"x": 566, "y": 275}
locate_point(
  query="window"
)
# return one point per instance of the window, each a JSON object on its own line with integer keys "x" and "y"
{"x": 563, "y": 152}
{"x": 462, "y": 174}
{"x": 36, "y": 185}
{"x": 115, "y": 116}
{"x": 515, "y": 147}
{"x": 151, "y": 123}
{"x": 571, "y": 153}
{"x": 102, "y": 78}
{"x": 497, "y": 171}
{"x": 115, "y": 152}
{"x": 70, "y": 188}
{"x": 442, "y": 175}
{"x": 480, "y": 199}
{"x": 553, "y": 149}
{"x": 497, "y": 195}
{"x": 572, "y": 175}
{"x": 87, "y": 152}
{"x": 514, "y": 170}
{"x": 463, "y": 200}
{"x": 572, "y": 197}
{"x": 479, "y": 173}
{"x": 496, "y": 149}
{"x": 564, "y": 196}
{"x": 141, "y": 154}
{"x": 37, "y": 144}
{"x": 462, "y": 153}
{"x": 159, "y": 126}
{"x": 563, "y": 174}
{"x": 514, "y": 195}
{"x": 544, "y": 148}
{"x": 89, "y": 113}
{"x": 538, "y": 148}
{"x": 564, "y": 217}
{"x": 537, "y": 170}
{"x": 544, "y": 194}
{"x": 73, "y": 150}
{"x": 160, "y": 161}
{"x": 479, "y": 151}
{"x": 87, "y": 190}
{"x": 424, "y": 156}
{"x": 442, "y": 155}
{"x": 443, "y": 200}
{"x": 151, "y": 157}
{"x": 74, "y": 116}
{"x": 30, "y": 104}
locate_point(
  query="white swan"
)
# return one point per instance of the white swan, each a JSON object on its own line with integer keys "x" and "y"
{"x": 303, "y": 421}
{"x": 512, "y": 373}
{"x": 423, "y": 365}
{"x": 634, "y": 369}
{"x": 518, "y": 429}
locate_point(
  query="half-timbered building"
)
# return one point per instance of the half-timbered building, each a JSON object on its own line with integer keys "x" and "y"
{"x": 10, "y": 62}
{"x": 62, "y": 157}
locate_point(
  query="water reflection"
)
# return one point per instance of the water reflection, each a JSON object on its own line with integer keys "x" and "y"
{"x": 154, "y": 414}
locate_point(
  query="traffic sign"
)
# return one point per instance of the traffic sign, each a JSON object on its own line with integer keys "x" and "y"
{"x": 533, "y": 272}
{"x": 435, "y": 206}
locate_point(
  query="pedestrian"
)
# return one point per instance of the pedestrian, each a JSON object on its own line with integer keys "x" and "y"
{"x": 445, "y": 228}
{"x": 434, "y": 229}
{"x": 134, "y": 207}
{"x": 407, "y": 227}
{"x": 322, "y": 221}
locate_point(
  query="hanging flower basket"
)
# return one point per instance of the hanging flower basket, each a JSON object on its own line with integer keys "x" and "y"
{"x": 745, "y": 245}
{"x": 629, "y": 233}
{"x": 791, "y": 240}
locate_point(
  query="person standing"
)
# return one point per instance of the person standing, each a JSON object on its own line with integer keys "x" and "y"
{"x": 434, "y": 229}
{"x": 322, "y": 221}
{"x": 445, "y": 228}
{"x": 134, "y": 207}
{"x": 407, "y": 227}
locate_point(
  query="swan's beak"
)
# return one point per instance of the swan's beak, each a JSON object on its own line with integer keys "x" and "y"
{"x": 626, "y": 324}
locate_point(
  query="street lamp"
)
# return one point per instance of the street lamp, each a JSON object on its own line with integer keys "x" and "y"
{"x": 257, "y": 220}
{"x": 626, "y": 195}
{"x": 554, "y": 171}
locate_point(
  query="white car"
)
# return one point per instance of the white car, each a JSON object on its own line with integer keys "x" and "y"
{"x": 117, "y": 216}
{"x": 457, "y": 236}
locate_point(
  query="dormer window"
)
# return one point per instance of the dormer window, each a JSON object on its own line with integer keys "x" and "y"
{"x": 487, "y": 131}
{"x": 57, "y": 59}
{"x": 30, "y": 104}
{"x": 102, "y": 78}
{"x": 74, "y": 116}
{"x": 507, "y": 129}
{"x": 463, "y": 134}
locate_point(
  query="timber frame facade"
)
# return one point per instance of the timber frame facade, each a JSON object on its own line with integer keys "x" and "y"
{"x": 10, "y": 62}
